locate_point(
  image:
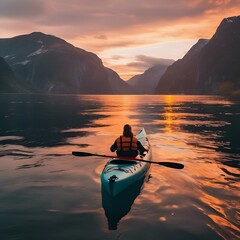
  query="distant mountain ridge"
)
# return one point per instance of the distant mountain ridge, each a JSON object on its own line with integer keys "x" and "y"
{"x": 146, "y": 82}
{"x": 47, "y": 64}
{"x": 118, "y": 85}
{"x": 210, "y": 67}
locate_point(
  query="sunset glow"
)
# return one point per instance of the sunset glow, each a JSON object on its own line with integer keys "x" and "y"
{"x": 119, "y": 31}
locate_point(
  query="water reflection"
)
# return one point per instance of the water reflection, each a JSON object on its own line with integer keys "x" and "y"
{"x": 169, "y": 116}
{"x": 119, "y": 206}
{"x": 40, "y": 177}
{"x": 45, "y": 120}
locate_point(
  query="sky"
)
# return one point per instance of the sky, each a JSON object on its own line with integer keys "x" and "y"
{"x": 128, "y": 35}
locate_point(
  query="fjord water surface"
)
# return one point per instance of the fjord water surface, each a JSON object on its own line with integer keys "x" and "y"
{"x": 46, "y": 193}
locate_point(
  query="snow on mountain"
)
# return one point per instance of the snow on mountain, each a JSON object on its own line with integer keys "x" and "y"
{"x": 231, "y": 19}
{"x": 23, "y": 62}
{"x": 39, "y": 51}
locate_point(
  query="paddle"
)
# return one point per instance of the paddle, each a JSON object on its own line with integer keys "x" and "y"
{"x": 165, "y": 164}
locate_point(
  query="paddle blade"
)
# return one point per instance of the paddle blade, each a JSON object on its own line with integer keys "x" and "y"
{"x": 172, "y": 165}
{"x": 82, "y": 154}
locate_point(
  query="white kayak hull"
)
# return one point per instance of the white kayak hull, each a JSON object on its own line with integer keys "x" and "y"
{"x": 119, "y": 174}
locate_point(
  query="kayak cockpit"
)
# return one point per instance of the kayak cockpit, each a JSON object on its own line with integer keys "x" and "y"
{"x": 122, "y": 161}
{"x": 122, "y": 172}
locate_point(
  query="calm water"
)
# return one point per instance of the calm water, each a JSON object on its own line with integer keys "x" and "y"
{"x": 46, "y": 193}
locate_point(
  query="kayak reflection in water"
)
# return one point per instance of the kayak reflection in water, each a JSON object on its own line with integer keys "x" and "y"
{"x": 116, "y": 207}
{"x": 127, "y": 145}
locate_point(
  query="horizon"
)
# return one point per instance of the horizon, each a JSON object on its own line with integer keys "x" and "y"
{"x": 129, "y": 37}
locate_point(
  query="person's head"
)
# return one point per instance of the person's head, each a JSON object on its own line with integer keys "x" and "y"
{"x": 127, "y": 131}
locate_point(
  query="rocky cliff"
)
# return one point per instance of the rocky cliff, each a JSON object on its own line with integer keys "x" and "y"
{"x": 210, "y": 67}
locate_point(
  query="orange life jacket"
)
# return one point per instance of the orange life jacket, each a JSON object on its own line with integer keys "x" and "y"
{"x": 126, "y": 143}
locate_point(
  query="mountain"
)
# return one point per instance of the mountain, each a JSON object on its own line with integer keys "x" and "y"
{"x": 47, "y": 64}
{"x": 8, "y": 83}
{"x": 210, "y": 67}
{"x": 178, "y": 78}
{"x": 146, "y": 83}
{"x": 118, "y": 85}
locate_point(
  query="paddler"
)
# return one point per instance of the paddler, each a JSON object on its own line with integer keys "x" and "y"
{"x": 127, "y": 145}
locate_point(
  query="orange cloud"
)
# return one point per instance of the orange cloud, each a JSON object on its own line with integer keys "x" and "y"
{"x": 219, "y": 2}
{"x": 126, "y": 72}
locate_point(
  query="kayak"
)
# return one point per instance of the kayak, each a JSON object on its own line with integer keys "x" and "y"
{"x": 120, "y": 173}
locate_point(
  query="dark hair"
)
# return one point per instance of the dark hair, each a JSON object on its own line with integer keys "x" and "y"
{"x": 127, "y": 131}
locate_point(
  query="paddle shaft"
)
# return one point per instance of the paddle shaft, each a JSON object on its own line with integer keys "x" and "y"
{"x": 166, "y": 164}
